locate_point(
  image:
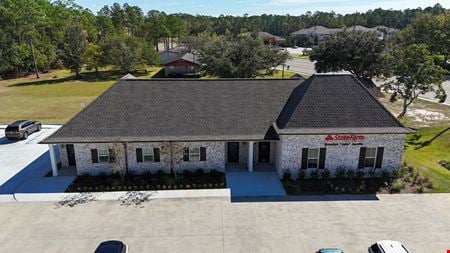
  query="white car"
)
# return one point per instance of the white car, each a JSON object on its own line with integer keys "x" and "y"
{"x": 388, "y": 247}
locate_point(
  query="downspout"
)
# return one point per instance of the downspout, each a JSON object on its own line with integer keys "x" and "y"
{"x": 125, "y": 146}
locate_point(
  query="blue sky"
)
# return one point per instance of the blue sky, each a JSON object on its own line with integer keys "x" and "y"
{"x": 255, "y": 7}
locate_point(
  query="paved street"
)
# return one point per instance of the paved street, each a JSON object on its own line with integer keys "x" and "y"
{"x": 422, "y": 222}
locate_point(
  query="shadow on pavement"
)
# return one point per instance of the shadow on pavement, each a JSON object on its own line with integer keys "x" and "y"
{"x": 308, "y": 198}
{"x": 31, "y": 179}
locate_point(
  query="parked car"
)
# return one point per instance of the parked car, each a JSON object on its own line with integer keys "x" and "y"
{"x": 330, "y": 250}
{"x": 112, "y": 246}
{"x": 21, "y": 129}
{"x": 387, "y": 246}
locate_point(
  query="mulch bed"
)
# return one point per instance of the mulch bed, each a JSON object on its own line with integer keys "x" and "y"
{"x": 148, "y": 181}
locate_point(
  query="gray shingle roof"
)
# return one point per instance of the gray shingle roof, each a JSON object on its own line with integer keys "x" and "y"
{"x": 180, "y": 109}
{"x": 335, "y": 103}
{"x": 227, "y": 109}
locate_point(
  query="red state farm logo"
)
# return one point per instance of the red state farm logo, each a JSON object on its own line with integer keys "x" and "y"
{"x": 329, "y": 138}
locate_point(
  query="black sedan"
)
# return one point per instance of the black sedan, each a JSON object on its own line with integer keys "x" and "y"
{"x": 21, "y": 129}
{"x": 112, "y": 246}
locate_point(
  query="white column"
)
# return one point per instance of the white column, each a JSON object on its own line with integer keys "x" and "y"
{"x": 250, "y": 156}
{"x": 51, "y": 149}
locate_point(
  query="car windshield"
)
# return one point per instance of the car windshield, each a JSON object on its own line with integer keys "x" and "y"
{"x": 375, "y": 248}
{"x": 12, "y": 128}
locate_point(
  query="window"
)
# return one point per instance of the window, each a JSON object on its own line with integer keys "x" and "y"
{"x": 148, "y": 155}
{"x": 375, "y": 249}
{"x": 194, "y": 154}
{"x": 313, "y": 158}
{"x": 103, "y": 155}
{"x": 371, "y": 156}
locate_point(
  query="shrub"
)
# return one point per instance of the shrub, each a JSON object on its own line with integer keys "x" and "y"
{"x": 360, "y": 173}
{"x": 350, "y": 173}
{"x": 340, "y": 172}
{"x": 314, "y": 174}
{"x": 301, "y": 174}
{"x": 445, "y": 164}
{"x": 287, "y": 175}
{"x": 199, "y": 173}
{"x": 325, "y": 174}
{"x": 396, "y": 186}
{"x": 385, "y": 175}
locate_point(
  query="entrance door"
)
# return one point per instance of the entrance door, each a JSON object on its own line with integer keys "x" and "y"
{"x": 70, "y": 154}
{"x": 264, "y": 152}
{"x": 233, "y": 152}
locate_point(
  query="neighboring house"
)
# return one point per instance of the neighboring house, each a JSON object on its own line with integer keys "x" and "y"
{"x": 270, "y": 38}
{"x": 322, "y": 32}
{"x": 179, "y": 62}
{"x": 327, "y": 121}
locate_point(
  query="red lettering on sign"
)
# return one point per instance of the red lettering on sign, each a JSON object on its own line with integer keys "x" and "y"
{"x": 339, "y": 137}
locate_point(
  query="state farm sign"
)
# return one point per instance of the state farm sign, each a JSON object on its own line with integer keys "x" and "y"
{"x": 339, "y": 137}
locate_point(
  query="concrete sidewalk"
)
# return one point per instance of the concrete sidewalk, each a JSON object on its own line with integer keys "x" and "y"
{"x": 257, "y": 183}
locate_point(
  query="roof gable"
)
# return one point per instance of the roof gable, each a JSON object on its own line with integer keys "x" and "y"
{"x": 340, "y": 102}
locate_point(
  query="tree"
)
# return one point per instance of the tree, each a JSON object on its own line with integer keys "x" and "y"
{"x": 414, "y": 73}
{"x": 173, "y": 155}
{"x": 130, "y": 53}
{"x": 238, "y": 57}
{"x": 73, "y": 50}
{"x": 118, "y": 159}
{"x": 359, "y": 52}
{"x": 93, "y": 57}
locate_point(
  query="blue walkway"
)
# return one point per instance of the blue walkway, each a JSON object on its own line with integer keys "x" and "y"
{"x": 245, "y": 184}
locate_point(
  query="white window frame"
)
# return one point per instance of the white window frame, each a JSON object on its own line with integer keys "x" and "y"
{"x": 313, "y": 158}
{"x": 148, "y": 152}
{"x": 194, "y": 156}
{"x": 105, "y": 154}
{"x": 374, "y": 157}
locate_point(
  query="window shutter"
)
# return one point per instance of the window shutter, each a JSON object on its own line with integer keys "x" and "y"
{"x": 203, "y": 154}
{"x": 139, "y": 158}
{"x": 186, "y": 155}
{"x": 112, "y": 156}
{"x": 322, "y": 156}
{"x": 304, "y": 158}
{"x": 379, "y": 161}
{"x": 362, "y": 157}
{"x": 94, "y": 155}
{"x": 156, "y": 156}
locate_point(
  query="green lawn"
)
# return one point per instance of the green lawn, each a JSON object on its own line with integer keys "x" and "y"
{"x": 300, "y": 56}
{"x": 424, "y": 149}
{"x": 55, "y": 97}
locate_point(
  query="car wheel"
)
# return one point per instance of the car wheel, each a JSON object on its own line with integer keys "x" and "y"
{"x": 25, "y": 135}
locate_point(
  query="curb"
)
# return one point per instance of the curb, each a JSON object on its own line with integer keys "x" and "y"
{"x": 102, "y": 196}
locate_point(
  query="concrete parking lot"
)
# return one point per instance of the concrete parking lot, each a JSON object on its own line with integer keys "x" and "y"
{"x": 24, "y": 163}
{"x": 422, "y": 222}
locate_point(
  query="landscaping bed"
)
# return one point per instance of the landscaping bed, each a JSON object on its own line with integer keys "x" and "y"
{"x": 403, "y": 180}
{"x": 148, "y": 181}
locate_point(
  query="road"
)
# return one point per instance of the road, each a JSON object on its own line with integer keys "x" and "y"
{"x": 422, "y": 222}
{"x": 303, "y": 66}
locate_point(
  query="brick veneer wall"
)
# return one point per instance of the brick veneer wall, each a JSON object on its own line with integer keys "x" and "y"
{"x": 290, "y": 151}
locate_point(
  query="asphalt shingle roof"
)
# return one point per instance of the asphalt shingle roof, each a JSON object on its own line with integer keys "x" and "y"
{"x": 227, "y": 109}
{"x": 335, "y": 103}
{"x": 180, "y": 109}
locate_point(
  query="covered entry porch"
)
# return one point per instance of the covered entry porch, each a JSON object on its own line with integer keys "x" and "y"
{"x": 250, "y": 156}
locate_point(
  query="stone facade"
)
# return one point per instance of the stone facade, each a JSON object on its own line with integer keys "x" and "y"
{"x": 284, "y": 154}
{"x": 340, "y": 155}
{"x": 215, "y": 158}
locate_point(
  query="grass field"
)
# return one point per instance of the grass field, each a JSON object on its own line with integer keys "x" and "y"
{"x": 55, "y": 97}
{"x": 424, "y": 149}
{"x": 300, "y": 56}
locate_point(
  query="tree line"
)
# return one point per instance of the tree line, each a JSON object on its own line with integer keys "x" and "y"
{"x": 39, "y": 35}
{"x": 412, "y": 62}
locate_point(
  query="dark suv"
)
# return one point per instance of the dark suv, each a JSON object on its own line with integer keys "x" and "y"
{"x": 21, "y": 129}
